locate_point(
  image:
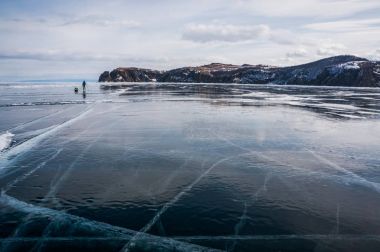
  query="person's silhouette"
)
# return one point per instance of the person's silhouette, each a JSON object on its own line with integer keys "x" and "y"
{"x": 84, "y": 85}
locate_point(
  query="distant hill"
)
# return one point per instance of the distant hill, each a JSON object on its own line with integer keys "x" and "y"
{"x": 344, "y": 70}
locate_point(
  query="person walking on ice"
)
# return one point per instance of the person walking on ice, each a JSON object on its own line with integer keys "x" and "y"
{"x": 84, "y": 86}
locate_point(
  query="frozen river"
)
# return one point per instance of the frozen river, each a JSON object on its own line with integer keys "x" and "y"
{"x": 196, "y": 167}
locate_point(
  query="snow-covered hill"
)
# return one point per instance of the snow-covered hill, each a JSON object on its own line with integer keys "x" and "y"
{"x": 345, "y": 70}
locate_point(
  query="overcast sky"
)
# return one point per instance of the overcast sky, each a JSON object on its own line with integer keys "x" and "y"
{"x": 49, "y": 39}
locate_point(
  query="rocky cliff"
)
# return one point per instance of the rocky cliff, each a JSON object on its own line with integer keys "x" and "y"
{"x": 343, "y": 70}
{"x": 130, "y": 74}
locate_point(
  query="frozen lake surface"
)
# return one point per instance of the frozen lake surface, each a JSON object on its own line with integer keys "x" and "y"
{"x": 195, "y": 167}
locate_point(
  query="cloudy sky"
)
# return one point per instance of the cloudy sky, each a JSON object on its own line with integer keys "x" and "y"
{"x": 68, "y": 39}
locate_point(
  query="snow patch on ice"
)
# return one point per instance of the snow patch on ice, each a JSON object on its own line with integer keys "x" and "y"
{"x": 5, "y": 140}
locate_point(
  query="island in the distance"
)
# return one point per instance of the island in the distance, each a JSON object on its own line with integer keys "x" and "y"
{"x": 345, "y": 70}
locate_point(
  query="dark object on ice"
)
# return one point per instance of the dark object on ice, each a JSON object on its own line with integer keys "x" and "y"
{"x": 84, "y": 85}
{"x": 84, "y": 94}
{"x": 76, "y": 90}
{"x": 344, "y": 70}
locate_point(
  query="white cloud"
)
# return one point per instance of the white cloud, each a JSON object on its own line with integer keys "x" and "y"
{"x": 298, "y": 53}
{"x": 308, "y": 8}
{"x": 346, "y": 25}
{"x": 295, "y": 56}
{"x": 98, "y": 20}
{"x": 24, "y": 20}
{"x": 284, "y": 37}
{"x": 93, "y": 37}
{"x": 218, "y": 32}
{"x": 330, "y": 49}
{"x": 225, "y": 32}
{"x": 374, "y": 55}
{"x": 59, "y": 55}
{"x": 89, "y": 20}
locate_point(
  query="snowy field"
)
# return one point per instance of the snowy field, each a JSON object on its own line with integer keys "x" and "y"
{"x": 196, "y": 167}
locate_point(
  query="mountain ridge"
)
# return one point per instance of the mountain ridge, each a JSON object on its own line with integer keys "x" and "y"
{"x": 342, "y": 70}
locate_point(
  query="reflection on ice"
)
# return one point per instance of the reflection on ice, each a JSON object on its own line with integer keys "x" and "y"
{"x": 6, "y": 188}
{"x": 15, "y": 152}
{"x": 157, "y": 217}
{"x": 94, "y": 227}
{"x": 354, "y": 103}
{"x": 172, "y": 167}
